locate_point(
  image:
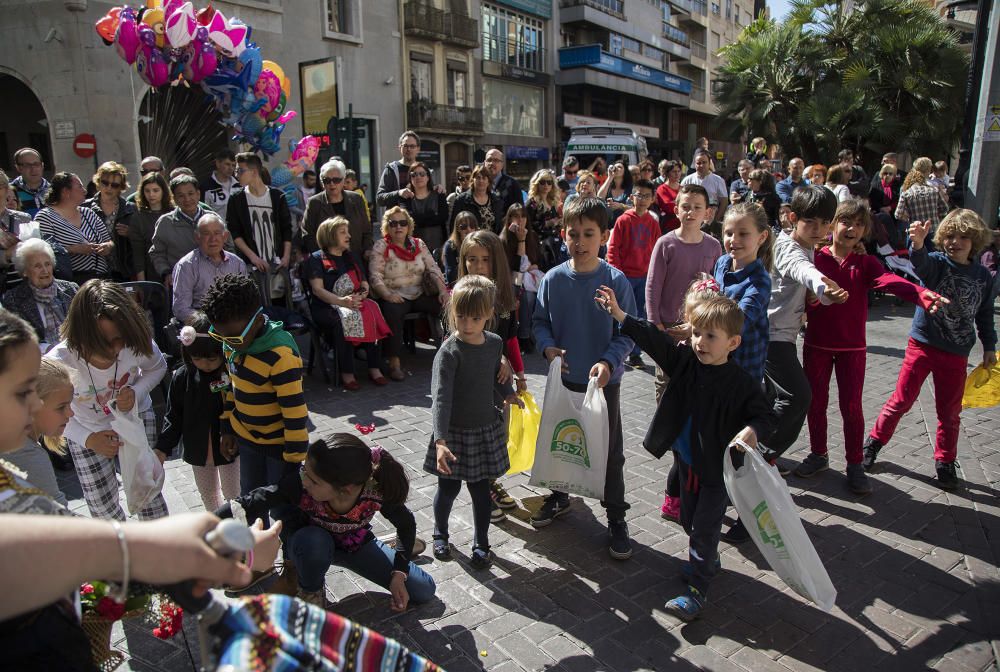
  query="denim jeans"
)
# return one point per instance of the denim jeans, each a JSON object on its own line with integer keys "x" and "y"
{"x": 313, "y": 551}
{"x": 261, "y": 466}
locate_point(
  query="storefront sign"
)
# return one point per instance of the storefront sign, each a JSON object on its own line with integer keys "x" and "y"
{"x": 542, "y": 8}
{"x": 592, "y": 56}
{"x": 318, "y": 80}
{"x": 526, "y": 153}
{"x": 493, "y": 69}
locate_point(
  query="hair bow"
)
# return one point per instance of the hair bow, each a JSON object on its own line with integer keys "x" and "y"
{"x": 708, "y": 284}
{"x": 188, "y": 334}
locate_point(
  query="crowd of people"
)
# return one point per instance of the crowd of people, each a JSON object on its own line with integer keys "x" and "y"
{"x": 714, "y": 280}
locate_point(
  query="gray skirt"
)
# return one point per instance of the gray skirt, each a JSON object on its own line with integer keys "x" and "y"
{"x": 481, "y": 452}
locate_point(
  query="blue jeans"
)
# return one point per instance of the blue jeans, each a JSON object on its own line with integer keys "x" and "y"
{"x": 639, "y": 292}
{"x": 259, "y": 467}
{"x": 313, "y": 551}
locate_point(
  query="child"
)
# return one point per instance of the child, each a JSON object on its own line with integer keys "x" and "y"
{"x": 835, "y": 337}
{"x": 264, "y": 411}
{"x": 109, "y": 349}
{"x": 333, "y": 498}
{"x": 479, "y": 249}
{"x": 631, "y": 247}
{"x": 470, "y": 437}
{"x": 19, "y": 402}
{"x": 194, "y": 408}
{"x": 465, "y": 223}
{"x": 567, "y": 324}
{"x": 523, "y": 253}
{"x": 678, "y": 257}
{"x": 940, "y": 343}
{"x": 784, "y": 210}
{"x": 55, "y": 390}
{"x": 710, "y": 403}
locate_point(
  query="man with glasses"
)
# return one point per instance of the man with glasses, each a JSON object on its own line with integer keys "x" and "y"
{"x": 150, "y": 164}
{"x": 336, "y": 201}
{"x": 396, "y": 174}
{"x": 463, "y": 177}
{"x": 258, "y": 218}
{"x": 506, "y": 186}
{"x": 570, "y": 166}
{"x": 29, "y": 186}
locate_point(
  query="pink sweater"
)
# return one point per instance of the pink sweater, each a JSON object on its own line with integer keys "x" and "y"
{"x": 672, "y": 268}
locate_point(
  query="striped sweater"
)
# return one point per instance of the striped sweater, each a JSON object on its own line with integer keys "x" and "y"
{"x": 265, "y": 405}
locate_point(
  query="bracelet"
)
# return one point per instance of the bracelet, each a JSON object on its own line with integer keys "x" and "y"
{"x": 121, "y": 594}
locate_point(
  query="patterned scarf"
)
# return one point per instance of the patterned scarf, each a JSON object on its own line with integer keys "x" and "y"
{"x": 53, "y": 314}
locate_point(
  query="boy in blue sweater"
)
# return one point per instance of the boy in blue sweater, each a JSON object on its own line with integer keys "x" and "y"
{"x": 568, "y": 324}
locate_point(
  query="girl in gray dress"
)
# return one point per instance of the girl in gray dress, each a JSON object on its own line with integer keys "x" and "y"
{"x": 470, "y": 437}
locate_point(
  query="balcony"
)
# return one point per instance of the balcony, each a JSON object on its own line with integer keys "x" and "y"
{"x": 683, "y": 5}
{"x": 421, "y": 19}
{"x": 698, "y": 50}
{"x": 698, "y": 14}
{"x": 676, "y": 35}
{"x": 615, "y": 8}
{"x": 423, "y": 115}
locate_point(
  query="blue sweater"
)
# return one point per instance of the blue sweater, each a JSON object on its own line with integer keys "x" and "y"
{"x": 567, "y": 317}
{"x": 968, "y": 286}
{"x": 750, "y": 287}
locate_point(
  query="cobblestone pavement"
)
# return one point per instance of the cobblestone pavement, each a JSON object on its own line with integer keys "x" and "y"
{"x": 915, "y": 567}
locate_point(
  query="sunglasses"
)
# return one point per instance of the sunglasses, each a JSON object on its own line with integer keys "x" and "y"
{"x": 399, "y": 223}
{"x": 418, "y": 174}
{"x": 235, "y": 340}
{"x": 109, "y": 183}
{"x": 409, "y": 146}
{"x": 548, "y": 182}
{"x": 572, "y": 172}
{"x": 332, "y": 180}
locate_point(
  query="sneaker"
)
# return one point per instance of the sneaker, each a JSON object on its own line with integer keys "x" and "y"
{"x": 687, "y": 606}
{"x": 736, "y": 534}
{"x": 635, "y": 361}
{"x": 619, "y": 545}
{"x": 857, "y": 480}
{"x": 553, "y": 507}
{"x": 442, "y": 549}
{"x": 496, "y": 513}
{"x": 317, "y": 598}
{"x": 872, "y": 446}
{"x": 812, "y": 465}
{"x": 946, "y": 475}
{"x": 783, "y": 468}
{"x": 671, "y": 509}
{"x": 500, "y": 495}
{"x": 687, "y": 569}
{"x": 482, "y": 559}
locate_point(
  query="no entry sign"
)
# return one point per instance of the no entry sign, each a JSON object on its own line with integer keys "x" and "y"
{"x": 85, "y": 145}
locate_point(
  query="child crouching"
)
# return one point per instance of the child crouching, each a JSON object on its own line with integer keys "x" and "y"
{"x": 710, "y": 402}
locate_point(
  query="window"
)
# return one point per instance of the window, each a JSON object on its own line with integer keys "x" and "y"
{"x": 512, "y": 38}
{"x": 342, "y": 20}
{"x": 729, "y": 9}
{"x": 456, "y": 86}
{"x": 716, "y": 8}
{"x": 421, "y": 81}
{"x": 716, "y": 42}
{"x": 615, "y": 44}
{"x": 513, "y": 109}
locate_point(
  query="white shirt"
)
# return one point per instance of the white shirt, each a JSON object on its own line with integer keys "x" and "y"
{"x": 714, "y": 185}
{"x": 262, "y": 223}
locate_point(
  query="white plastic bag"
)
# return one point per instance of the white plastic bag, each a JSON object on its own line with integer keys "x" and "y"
{"x": 571, "y": 454}
{"x": 142, "y": 473}
{"x": 769, "y": 514}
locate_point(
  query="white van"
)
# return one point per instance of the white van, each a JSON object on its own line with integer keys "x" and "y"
{"x": 612, "y": 143}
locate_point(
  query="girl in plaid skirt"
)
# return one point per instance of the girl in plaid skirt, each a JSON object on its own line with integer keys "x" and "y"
{"x": 470, "y": 437}
{"x": 108, "y": 347}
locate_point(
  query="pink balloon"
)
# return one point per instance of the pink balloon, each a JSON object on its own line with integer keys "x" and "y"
{"x": 127, "y": 36}
{"x": 150, "y": 63}
{"x": 205, "y": 59}
{"x": 179, "y": 23}
{"x": 268, "y": 87}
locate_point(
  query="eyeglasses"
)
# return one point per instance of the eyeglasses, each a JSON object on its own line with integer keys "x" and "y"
{"x": 399, "y": 223}
{"x": 419, "y": 174}
{"x": 641, "y": 197}
{"x": 332, "y": 180}
{"x": 410, "y": 146}
{"x": 112, "y": 185}
{"x": 235, "y": 340}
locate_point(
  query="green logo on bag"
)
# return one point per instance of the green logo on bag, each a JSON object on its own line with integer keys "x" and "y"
{"x": 570, "y": 442}
{"x": 768, "y": 530}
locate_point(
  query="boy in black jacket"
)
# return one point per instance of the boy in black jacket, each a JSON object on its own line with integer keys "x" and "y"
{"x": 710, "y": 403}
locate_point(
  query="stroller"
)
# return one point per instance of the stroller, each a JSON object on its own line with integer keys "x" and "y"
{"x": 889, "y": 244}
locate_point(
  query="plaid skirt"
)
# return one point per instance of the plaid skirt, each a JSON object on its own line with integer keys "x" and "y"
{"x": 481, "y": 452}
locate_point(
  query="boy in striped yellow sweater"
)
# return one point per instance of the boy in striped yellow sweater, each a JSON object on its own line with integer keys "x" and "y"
{"x": 264, "y": 410}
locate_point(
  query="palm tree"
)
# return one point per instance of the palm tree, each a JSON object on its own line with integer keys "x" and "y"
{"x": 886, "y": 75}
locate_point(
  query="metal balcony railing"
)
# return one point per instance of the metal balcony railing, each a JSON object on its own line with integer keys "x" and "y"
{"x": 615, "y": 8}
{"x": 698, "y": 50}
{"x": 515, "y": 53}
{"x": 423, "y": 114}
{"x": 422, "y": 19}
{"x": 700, "y": 6}
{"x": 675, "y": 34}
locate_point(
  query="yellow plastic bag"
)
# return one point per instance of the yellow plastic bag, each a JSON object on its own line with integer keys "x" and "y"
{"x": 522, "y": 433}
{"x": 982, "y": 388}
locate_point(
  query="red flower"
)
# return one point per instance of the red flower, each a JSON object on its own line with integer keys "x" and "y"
{"x": 110, "y": 609}
{"x": 86, "y": 589}
{"x": 365, "y": 429}
{"x": 171, "y": 621}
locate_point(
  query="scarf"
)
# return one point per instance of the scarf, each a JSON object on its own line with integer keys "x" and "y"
{"x": 405, "y": 254}
{"x": 887, "y": 190}
{"x": 53, "y": 313}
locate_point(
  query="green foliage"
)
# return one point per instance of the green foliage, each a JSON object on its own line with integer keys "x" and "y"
{"x": 887, "y": 76}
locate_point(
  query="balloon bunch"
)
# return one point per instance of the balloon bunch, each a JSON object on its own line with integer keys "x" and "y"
{"x": 303, "y": 157}
{"x": 169, "y": 43}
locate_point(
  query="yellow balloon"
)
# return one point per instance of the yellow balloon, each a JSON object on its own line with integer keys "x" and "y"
{"x": 154, "y": 19}
{"x": 153, "y": 4}
{"x": 286, "y": 85}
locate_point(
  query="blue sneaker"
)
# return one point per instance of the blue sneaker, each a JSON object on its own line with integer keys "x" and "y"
{"x": 687, "y": 569}
{"x": 686, "y": 607}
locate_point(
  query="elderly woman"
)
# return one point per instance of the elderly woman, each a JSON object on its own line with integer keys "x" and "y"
{"x": 428, "y": 207}
{"x": 401, "y": 267}
{"x": 335, "y": 201}
{"x": 339, "y": 302}
{"x": 118, "y": 214}
{"x": 481, "y": 201}
{"x": 42, "y": 299}
{"x": 80, "y": 230}
{"x": 15, "y": 226}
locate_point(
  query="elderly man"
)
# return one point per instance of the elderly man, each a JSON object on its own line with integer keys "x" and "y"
{"x": 174, "y": 233}
{"x": 795, "y": 180}
{"x": 29, "y": 186}
{"x": 718, "y": 194}
{"x": 334, "y": 200}
{"x": 198, "y": 269}
{"x": 506, "y": 186}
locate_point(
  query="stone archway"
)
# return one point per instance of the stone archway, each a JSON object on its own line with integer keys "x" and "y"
{"x": 181, "y": 126}
{"x": 24, "y": 124}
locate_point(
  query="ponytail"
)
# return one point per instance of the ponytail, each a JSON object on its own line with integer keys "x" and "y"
{"x": 392, "y": 481}
{"x": 345, "y": 459}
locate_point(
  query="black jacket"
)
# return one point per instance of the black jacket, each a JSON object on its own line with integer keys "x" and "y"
{"x": 239, "y": 225}
{"x": 435, "y": 216}
{"x": 510, "y": 192}
{"x": 122, "y": 261}
{"x": 193, "y": 411}
{"x": 720, "y": 400}
{"x": 387, "y": 194}
{"x": 466, "y": 202}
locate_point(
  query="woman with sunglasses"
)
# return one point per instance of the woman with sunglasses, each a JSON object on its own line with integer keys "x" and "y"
{"x": 542, "y": 208}
{"x": 118, "y": 215}
{"x": 401, "y": 271}
{"x": 336, "y": 201}
{"x": 427, "y": 206}
{"x": 481, "y": 201}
